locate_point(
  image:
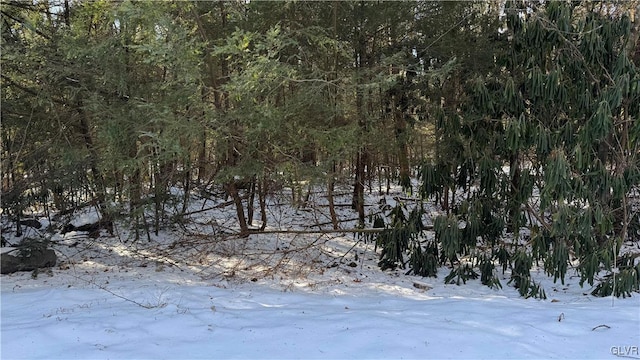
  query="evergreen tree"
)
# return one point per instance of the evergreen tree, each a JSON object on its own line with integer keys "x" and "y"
{"x": 558, "y": 115}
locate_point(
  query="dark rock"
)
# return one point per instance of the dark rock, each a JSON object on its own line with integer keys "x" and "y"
{"x": 421, "y": 286}
{"x": 91, "y": 228}
{"x": 31, "y": 223}
{"x": 37, "y": 259}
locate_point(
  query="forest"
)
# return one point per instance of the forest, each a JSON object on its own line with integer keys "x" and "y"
{"x": 517, "y": 122}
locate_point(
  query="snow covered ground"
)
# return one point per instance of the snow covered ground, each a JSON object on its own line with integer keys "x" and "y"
{"x": 206, "y": 296}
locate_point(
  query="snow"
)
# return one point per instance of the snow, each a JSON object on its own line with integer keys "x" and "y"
{"x": 197, "y": 296}
{"x": 184, "y": 321}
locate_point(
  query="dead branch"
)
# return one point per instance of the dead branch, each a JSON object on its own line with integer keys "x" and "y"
{"x": 328, "y": 231}
{"x": 219, "y": 206}
{"x": 340, "y": 221}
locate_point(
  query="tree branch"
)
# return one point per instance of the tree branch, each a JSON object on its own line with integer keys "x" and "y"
{"x": 328, "y": 231}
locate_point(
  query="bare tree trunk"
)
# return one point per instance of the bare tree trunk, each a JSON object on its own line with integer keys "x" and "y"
{"x": 98, "y": 180}
{"x": 358, "y": 188}
{"x": 332, "y": 207}
{"x": 403, "y": 152}
{"x": 334, "y": 94}
{"x": 263, "y": 187}
{"x": 232, "y": 190}
{"x": 8, "y": 171}
{"x": 67, "y": 13}
{"x": 202, "y": 157}
{"x": 361, "y": 157}
{"x": 135, "y": 191}
{"x": 514, "y": 165}
{"x": 252, "y": 195}
{"x": 402, "y": 136}
{"x": 158, "y": 195}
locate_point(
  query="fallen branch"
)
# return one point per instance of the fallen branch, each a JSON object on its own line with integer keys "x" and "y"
{"x": 341, "y": 221}
{"x": 329, "y": 231}
{"x": 344, "y": 205}
{"x": 219, "y": 206}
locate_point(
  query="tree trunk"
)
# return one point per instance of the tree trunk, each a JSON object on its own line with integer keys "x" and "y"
{"x": 202, "y": 157}
{"x": 332, "y": 208}
{"x": 358, "y": 187}
{"x": 252, "y": 195}
{"x": 514, "y": 167}
{"x": 263, "y": 187}
{"x": 361, "y": 157}
{"x": 403, "y": 151}
{"x": 232, "y": 190}
{"x": 93, "y": 158}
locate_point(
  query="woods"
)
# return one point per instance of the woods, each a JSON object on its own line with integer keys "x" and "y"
{"x": 518, "y": 119}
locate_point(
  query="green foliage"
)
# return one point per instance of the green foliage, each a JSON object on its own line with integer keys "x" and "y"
{"x": 521, "y": 276}
{"x": 462, "y": 272}
{"x": 449, "y": 236}
{"x": 503, "y": 257}
{"x": 424, "y": 262}
{"x": 487, "y": 272}
{"x": 622, "y": 283}
{"x": 401, "y": 235}
{"x": 543, "y": 145}
{"x": 557, "y": 262}
{"x": 436, "y": 179}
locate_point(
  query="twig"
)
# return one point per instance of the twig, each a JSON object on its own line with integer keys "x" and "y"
{"x": 540, "y": 219}
{"x": 341, "y": 221}
{"x": 599, "y": 326}
{"x": 348, "y": 251}
{"x": 91, "y": 282}
{"x": 219, "y": 206}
